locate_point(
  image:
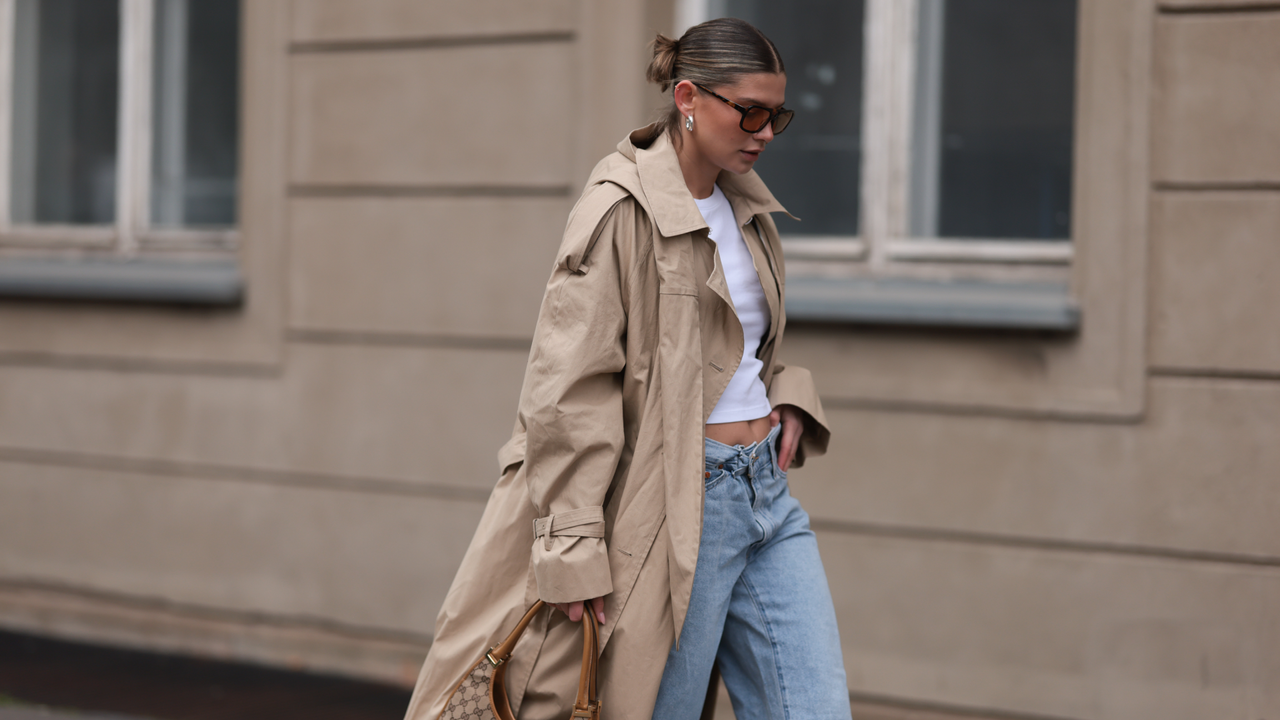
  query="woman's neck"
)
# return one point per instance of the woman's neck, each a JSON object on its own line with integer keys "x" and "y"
{"x": 699, "y": 174}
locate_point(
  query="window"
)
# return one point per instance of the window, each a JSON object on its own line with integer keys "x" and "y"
{"x": 817, "y": 170}
{"x": 933, "y": 143}
{"x": 119, "y": 124}
{"x": 992, "y": 120}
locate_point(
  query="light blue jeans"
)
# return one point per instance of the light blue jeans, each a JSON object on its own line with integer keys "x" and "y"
{"x": 760, "y": 603}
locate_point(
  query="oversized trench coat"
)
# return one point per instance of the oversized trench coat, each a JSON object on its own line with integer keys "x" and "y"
{"x": 635, "y": 342}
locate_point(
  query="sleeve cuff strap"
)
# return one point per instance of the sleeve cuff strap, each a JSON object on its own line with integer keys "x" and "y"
{"x": 580, "y": 522}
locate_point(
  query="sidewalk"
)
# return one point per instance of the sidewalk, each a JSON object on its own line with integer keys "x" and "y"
{"x": 40, "y": 713}
{"x": 88, "y": 682}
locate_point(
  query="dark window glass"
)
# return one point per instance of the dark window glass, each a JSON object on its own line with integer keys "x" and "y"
{"x": 994, "y": 119}
{"x": 65, "y": 99}
{"x": 814, "y": 169}
{"x": 196, "y": 102}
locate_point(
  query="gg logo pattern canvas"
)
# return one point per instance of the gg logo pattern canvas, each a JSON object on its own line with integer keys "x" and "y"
{"x": 471, "y": 700}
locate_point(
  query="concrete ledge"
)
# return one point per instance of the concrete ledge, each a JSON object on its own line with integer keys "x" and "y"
{"x": 132, "y": 280}
{"x": 909, "y": 301}
{"x": 157, "y": 625}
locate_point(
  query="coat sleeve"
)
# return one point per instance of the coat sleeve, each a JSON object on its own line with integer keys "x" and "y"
{"x": 571, "y": 408}
{"x": 793, "y": 385}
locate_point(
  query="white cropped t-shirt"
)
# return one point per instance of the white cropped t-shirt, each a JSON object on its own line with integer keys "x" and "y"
{"x": 745, "y": 398}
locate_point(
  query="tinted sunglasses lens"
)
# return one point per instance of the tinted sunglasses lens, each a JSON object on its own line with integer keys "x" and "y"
{"x": 755, "y": 119}
{"x": 783, "y": 119}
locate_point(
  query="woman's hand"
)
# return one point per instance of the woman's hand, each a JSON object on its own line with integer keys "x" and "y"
{"x": 574, "y": 609}
{"x": 792, "y": 420}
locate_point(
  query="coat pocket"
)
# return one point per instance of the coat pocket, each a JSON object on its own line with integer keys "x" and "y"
{"x": 511, "y": 454}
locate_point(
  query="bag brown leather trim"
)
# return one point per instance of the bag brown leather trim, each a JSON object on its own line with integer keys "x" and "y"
{"x": 587, "y": 704}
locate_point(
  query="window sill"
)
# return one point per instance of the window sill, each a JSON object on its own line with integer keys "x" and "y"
{"x": 126, "y": 280}
{"x": 911, "y": 301}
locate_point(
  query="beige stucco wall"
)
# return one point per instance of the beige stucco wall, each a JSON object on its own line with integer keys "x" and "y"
{"x": 1015, "y": 526}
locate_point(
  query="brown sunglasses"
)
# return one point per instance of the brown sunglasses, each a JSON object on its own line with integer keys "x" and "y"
{"x": 755, "y": 117}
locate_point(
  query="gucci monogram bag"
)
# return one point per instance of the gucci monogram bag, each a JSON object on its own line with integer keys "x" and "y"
{"x": 481, "y": 694}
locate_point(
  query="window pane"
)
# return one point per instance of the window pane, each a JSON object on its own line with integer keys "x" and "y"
{"x": 814, "y": 169}
{"x": 196, "y": 113}
{"x": 994, "y": 108}
{"x": 65, "y": 99}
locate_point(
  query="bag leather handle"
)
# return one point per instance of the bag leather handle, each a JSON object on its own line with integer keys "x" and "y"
{"x": 500, "y": 652}
{"x": 587, "y": 704}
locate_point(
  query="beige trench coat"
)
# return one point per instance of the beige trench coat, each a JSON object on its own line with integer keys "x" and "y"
{"x": 601, "y": 482}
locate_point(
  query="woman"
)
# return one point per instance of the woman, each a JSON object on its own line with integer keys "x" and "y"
{"x": 653, "y": 366}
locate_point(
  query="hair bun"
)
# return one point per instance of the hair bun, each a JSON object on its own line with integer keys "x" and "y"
{"x": 663, "y": 65}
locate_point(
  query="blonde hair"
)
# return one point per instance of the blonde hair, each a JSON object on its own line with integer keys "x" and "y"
{"x": 714, "y": 53}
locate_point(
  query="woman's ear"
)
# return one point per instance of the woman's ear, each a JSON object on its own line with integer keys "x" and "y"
{"x": 686, "y": 97}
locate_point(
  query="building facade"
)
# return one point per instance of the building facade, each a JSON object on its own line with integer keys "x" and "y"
{"x": 256, "y": 417}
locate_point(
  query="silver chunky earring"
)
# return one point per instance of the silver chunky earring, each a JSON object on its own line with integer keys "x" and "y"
{"x": 688, "y": 123}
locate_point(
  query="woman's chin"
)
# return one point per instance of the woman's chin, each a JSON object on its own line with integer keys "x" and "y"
{"x": 748, "y": 159}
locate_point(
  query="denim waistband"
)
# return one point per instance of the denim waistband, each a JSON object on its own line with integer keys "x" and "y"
{"x": 717, "y": 453}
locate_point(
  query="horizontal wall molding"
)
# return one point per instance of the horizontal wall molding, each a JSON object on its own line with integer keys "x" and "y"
{"x": 351, "y": 338}
{"x": 429, "y": 43}
{"x": 1218, "y": 187}
{"x": 1217, "y": 8}
{"x": 58, "y": 361}
{"x": 417, "y": 191}
{"x": 1078, "y": 547}
{"x": 883, "y": 707}
{"x": 916, "y": 407}
{"x": 1216, "y": 374}
{"x": 408, "y": 340}
{"x": 258, "y": 476}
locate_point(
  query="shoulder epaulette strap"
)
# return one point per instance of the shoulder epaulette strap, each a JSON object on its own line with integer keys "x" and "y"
{"x": 586, "y": 223}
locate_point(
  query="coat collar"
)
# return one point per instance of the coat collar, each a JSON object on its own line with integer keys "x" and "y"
{"x": 670, "y": 204}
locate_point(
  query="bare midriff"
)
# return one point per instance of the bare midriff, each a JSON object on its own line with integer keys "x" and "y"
{"x": 742, "y": 432}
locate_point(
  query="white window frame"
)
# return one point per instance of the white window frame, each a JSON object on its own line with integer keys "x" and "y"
{"x": 132, "y": 232}
{"x": 884, "y": 244}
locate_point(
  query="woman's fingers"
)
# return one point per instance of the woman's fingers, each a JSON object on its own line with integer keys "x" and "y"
{"x": 784, "y": 457}
{"x": 574, "y": 609}
{"x": 792, "y": 427}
